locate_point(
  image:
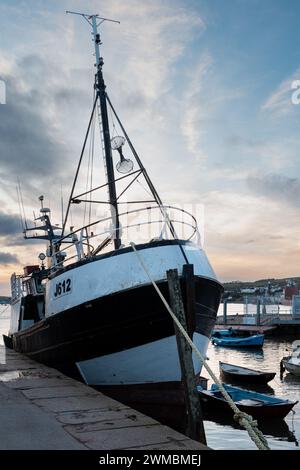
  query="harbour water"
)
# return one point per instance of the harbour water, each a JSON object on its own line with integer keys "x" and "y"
{"x": 221, "y": 434}
{"x": 284, "y": 434}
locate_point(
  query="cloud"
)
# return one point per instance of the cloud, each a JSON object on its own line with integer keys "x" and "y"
{"x": 30, "y": 144}
{"x": 276, "y": 187}
{"x": 194, "y": 111}
{"x": 9, "y": 224}
{"x": 7, "y": 259}
{"x": 246, "y": 235}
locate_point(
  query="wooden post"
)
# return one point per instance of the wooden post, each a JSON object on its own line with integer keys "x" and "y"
{"x": 225, "y": 311}
{"x": 258, "y": 312}
{"x": 190, "y": 297}
{"x": 195, "y": 429}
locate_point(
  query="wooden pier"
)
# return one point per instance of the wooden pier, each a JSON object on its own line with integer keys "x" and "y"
{"x": 41, "y": 408}
{"x": 275, "y": 324}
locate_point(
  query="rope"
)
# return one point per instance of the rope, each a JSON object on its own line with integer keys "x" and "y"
{"x": 242, "y": 418}
{"x": 3, "y": 311}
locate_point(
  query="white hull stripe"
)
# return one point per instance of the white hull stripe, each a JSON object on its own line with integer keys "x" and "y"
{"x": 118, "y": 273}
{"x": 150, "y": 363}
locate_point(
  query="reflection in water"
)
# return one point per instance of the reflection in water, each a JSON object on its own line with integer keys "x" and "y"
{"x": 291, "y": 379}
{"x": 278, "y": 429}
{"x": 223, "y": 432}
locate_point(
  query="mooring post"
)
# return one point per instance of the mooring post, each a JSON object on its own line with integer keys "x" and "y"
{"x": 225, "y": 311}
{"x": 258, "y": 312}
{"x": 195, "y": 428}
{"x": 190, "y": 297}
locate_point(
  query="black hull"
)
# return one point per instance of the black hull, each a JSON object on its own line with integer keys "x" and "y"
{"x": 212, "y": 404}
{"x": 261, "y": 379}
{"x": 8, "y": 342}
{"x": 111, "y": 324}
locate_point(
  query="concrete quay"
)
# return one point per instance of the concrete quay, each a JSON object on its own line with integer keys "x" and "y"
{"x": 42, "y": 409}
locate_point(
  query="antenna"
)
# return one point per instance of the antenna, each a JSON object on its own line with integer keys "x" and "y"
{"x": 87, "y": 17}
{"x": 41, "y": 199}
{"x": 95, "y": 21}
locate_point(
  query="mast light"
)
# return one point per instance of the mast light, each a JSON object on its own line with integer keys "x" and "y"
{"x": 125, "y": 165}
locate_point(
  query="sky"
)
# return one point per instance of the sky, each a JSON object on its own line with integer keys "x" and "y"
{"x": 205, "y": 90}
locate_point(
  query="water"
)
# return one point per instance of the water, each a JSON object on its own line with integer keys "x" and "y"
{"x": 4, "y": 320}
{"x": 284, "y": 434}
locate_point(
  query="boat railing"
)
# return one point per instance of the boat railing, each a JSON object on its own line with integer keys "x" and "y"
{"x": 17, "y": 287}
{"x": 140, "y": 225}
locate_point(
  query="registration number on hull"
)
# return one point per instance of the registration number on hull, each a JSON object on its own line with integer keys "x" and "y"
{"x": 63, "y": 288}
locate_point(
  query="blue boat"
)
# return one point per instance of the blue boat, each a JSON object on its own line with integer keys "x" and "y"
{"x": 256, "y": 404}
{"x": 223, "y": 333}
{"x": 254, "y": 341}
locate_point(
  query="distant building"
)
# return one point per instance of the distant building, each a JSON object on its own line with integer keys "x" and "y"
{"x": 249, "y": 290}
{"x": 291, "y": 290}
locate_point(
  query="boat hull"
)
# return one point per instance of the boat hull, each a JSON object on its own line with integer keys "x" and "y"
{"x": 265, "y": 408}
{"x": 99, "y": 334}
{"x": 292, "y": 368}
{"x": 141, "y": 364}
{"x": 256, "y": 341}
{"x": 248, "y": 379}
{"x": 241, "y": 375}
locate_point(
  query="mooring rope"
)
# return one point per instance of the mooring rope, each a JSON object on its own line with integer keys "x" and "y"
{"x": 242, "y": 418}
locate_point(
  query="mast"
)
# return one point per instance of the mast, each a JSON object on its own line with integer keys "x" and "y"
{"x": 100, "y": 87}
{"x": 95, "y": 21}
{"x": 125, "y": 164}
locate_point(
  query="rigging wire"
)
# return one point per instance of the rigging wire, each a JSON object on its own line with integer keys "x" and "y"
{"x": 89, "y": 170}
{"x": 144, "y": 188}
{"x": 62, "y": 205}
{"x": 148, "y": 181}
{"x": 22, "y": 203}
{"x": 20, "y": 209}
{"x": 114, "y": 132}
{"x": 92, "y": 165}
{"x": 79, "y": 165}
{"x": 3, "y": 311}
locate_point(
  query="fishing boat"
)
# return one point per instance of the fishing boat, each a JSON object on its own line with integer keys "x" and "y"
{"x": 291, "y": 363}
{"x": 254, "y": 341}
{"x": 255, "y": 404}
{"x": 245, "y": 375}
{"x": 87, "y": 305}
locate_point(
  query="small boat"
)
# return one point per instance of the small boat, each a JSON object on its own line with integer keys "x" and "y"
{"x": 255, "y": 341}
{"x": 226, "y": 333}
{"x": 255, "y": 404}
{"x": 291, "y": 363}
{"x": 243, "y": 374}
